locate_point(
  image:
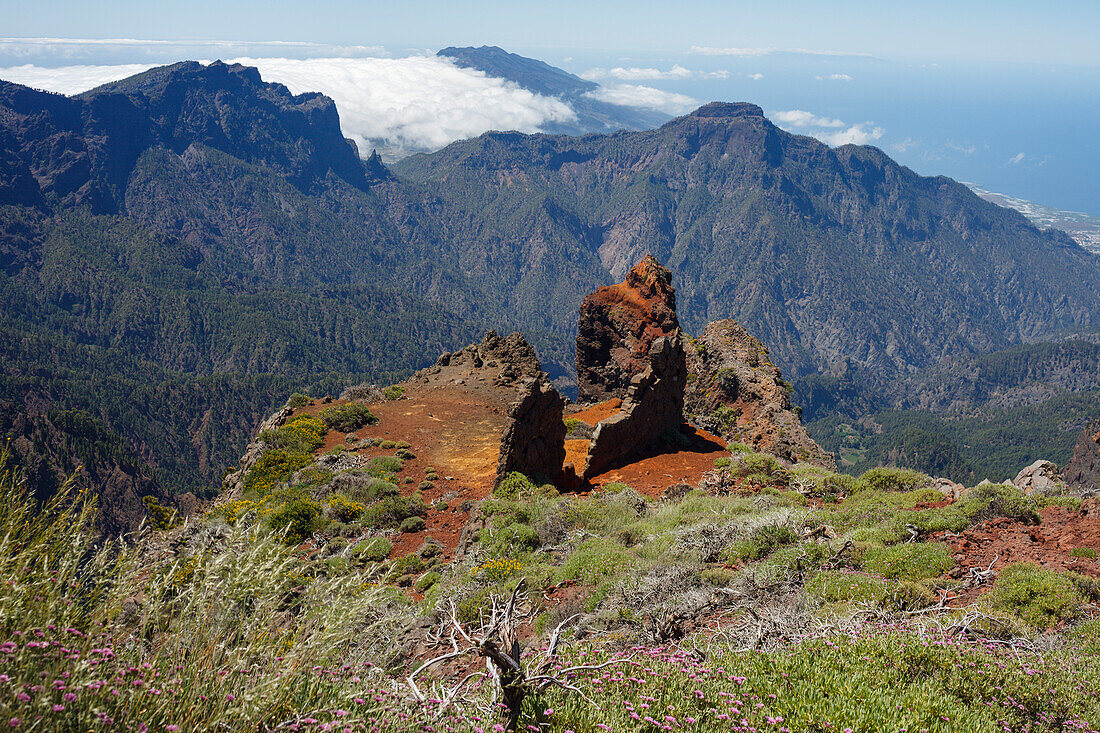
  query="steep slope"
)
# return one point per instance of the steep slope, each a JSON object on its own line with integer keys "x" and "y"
{"x": 827, "y": 254}
{"x": 200, "y": 240}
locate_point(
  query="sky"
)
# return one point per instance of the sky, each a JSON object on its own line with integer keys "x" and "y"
{"x": 1003, "y": 94}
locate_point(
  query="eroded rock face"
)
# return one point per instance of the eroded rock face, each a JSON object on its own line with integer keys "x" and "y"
{"x": 618, "y": 325}
{"x": 533, "y": 441}
{"x": 504, "y": 362}
{"x": 652, "y": 408}
{"x": 1082, "y": 473}
{"x": 734, "y": 391}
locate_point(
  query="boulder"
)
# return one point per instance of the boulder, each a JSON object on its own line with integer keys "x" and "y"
{"x": 734, "y": 391}
{"x": 1082, "y": 473}
{"x": 652, "y": 409}
{"x": 533, "y": 441}
{"x": 1041, "y": 478}
{"x": 617, "y": 327}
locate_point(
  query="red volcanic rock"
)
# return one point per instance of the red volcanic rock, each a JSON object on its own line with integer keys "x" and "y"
{"x": 618, "y": 325}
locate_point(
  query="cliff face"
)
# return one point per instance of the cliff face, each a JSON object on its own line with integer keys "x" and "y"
{"x": 733, "y": 390}
{"x": 1083, "y": 471}
{"x": 618, "y": 324}
{"x": 52, "y": 446}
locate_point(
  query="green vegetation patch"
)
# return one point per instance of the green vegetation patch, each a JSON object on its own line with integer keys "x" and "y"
{"x": 391, "y": 511}
{"x": 347, "y": 418}
{"x": 912, "y": 561}
{"x": 1042, "y": 598}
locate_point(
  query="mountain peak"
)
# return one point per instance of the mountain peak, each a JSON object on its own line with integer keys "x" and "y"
{"x": 728, "y": 109}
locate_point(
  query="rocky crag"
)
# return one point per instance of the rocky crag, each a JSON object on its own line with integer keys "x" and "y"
{"x": 1082, "y": 473}
{"x": 617, "y": 326}
{"x": 629, "y": 347}
{"x": 734, "y": 391}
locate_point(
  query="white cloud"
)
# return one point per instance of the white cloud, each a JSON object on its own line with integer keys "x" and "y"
{"x": 1016, "y": 159}
{"x": 55, "y": 51}
{"x": 635, "y": 95}
{"x": 767, "y": 51}
{"x": 69, "y": 79}
{"x": 802, "y": 118}
{"x": 756, "y": 77}
{"x": 904, "y": 145}
{"x": 719, "y": 74}
{"x": 730, "y": 51}
{"x": 834, "y": 77}
{"x": 860, "y": 134}
{"x": 838, "y": 132}
{"x": 635, "y": 73}
{"x": 965, "y": 149}
{"x": 415, "y": 102}
{"x": 418, "y": 102}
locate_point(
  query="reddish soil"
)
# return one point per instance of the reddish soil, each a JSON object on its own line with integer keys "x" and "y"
{"x": 1047, "y": 544}
{"x": 650, "y": 476}
{"x": 600, "y": 411}
{"x": 455, "y": 430}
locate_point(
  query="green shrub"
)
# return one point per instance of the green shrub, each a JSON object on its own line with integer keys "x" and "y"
{"x": 297, "y": 401}
{"x": 299, "y": 518}
{"x": 835, "y": 586}
{"x": 405, "y": 454}
{"x": 409, "y": 525}
{"x": 387, "y": 445}
{"x": 887, "y": 478}
{"x": 913, "y": 561}
{"x": 375, "y": 549}
{"x": 160, "y": 516}
{"x": 739, "y": 448}
{"x": 514, "y": 486}
{"x": 1086, "y": 552}
{"x": 597, "y": 559}
{"x": 408, "y": 565}
{"x": 722, "y": 462}
{"x": 511, "y": 540}
{"x": 372, "y": 489}
{"x": 383, "y": 466}
{"x": 990, "y": 501}
{"x": 347, "y": 418}
{"x": 426, "y": 581}
{"x": 394, "y": 392}
{"x": 343, "y": 509}
{"x": 273, "y": 468}
{"x": 1042, "y": 598}
{"x": 425, "y": 486}
{"x": 760, "y": 468}
{"x": 303, "y": 434}
{"x": 393, "y": 510}
{"x": 762, "y": 542}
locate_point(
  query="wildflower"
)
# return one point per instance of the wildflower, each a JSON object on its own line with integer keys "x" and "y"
{"x": 172, "y": 728}
{"x": 58, "y": 708}
{"x": 14, "y": 722}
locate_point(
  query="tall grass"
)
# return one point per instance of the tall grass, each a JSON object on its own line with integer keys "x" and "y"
{"x": 211, "y": 628}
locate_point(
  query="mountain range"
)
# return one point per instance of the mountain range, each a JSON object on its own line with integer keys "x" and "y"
{"x": 181, "y": 249}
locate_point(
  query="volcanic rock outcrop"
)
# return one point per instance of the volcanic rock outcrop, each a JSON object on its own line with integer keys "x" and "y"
{"x": 533, "y": 442}
{"x": 734, "y": 391}
{"x": 629, "y": 347}
{"x": 652, "y": 409}
{"x": 1082, "y": 473}
{"x": 507, "y": 369}
{"x": 618, "y": 324}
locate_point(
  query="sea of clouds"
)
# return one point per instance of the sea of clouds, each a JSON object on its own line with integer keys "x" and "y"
{"x": 414, "y": 103}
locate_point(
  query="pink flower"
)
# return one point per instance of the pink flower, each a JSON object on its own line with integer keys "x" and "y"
{"x": 58, "y": 708}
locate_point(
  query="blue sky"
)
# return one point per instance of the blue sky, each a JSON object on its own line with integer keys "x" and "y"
{"x": 1004, "y": 94}
{"x": 1061, "y": 32}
